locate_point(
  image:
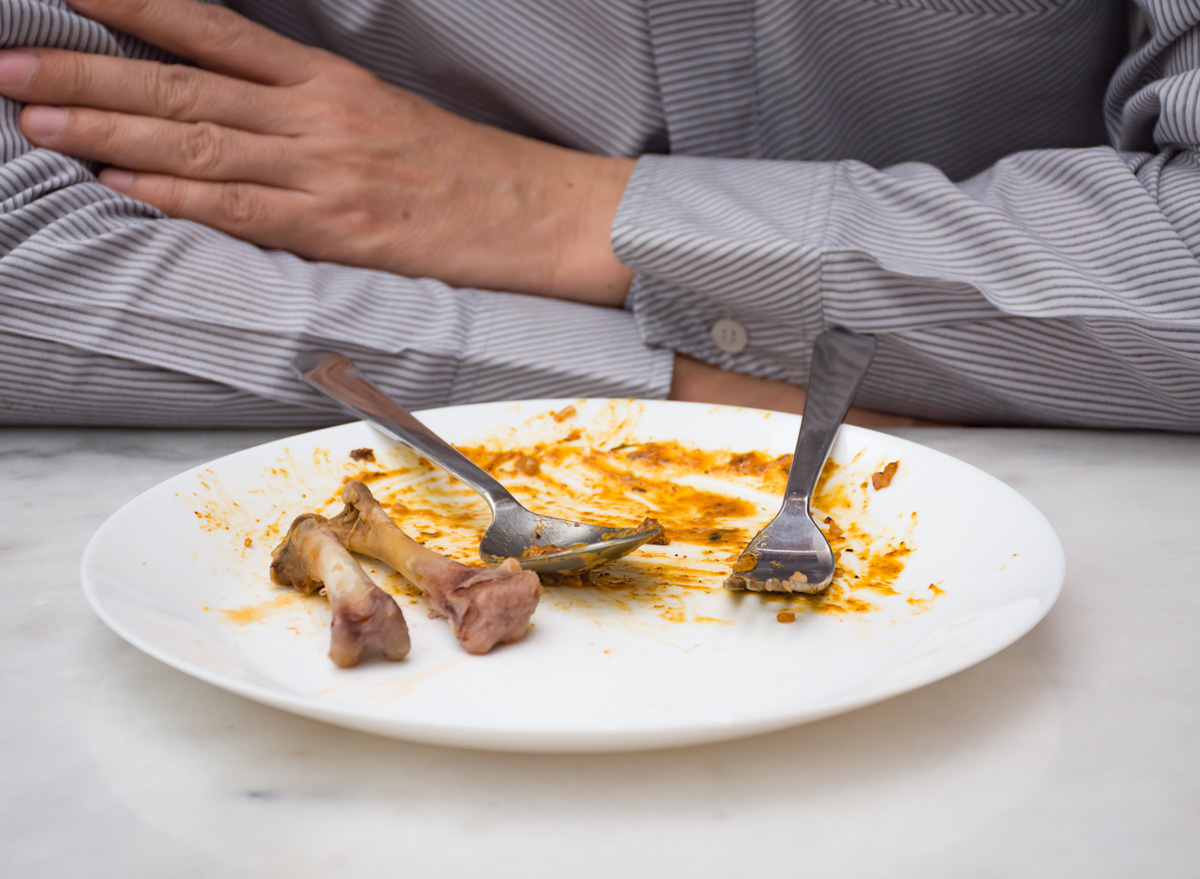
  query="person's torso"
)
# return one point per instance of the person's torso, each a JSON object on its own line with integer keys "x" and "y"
{"x": 957, "y": 83}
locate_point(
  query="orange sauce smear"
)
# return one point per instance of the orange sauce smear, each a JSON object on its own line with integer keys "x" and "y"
{"x": 710, "y": 504}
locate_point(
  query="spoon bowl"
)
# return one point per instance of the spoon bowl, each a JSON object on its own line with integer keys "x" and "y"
{"x": 546, "y": 544}
{"x": 539, "y": 543}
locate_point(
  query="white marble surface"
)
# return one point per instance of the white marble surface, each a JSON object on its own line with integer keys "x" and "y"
{"x": 1075, "y": 752}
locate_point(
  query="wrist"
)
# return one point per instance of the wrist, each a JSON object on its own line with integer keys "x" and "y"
{"x": 697, "y": 382}
{"x": 585, "y": 268}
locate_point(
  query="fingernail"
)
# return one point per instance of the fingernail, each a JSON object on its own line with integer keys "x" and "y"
{"x": 45, "y": 120}
{"x": 115, "y": 178}
{"x": 16, "y": 67}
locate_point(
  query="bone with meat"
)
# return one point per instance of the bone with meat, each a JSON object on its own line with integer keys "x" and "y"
{"x": 365, "y": 618}
{"x": 484, "y": 606}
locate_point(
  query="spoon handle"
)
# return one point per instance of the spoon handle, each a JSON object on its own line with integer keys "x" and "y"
{"x": 339, "y": 379}
{"x": 840, "y": 361}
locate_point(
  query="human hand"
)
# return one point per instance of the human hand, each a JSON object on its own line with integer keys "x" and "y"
{"x": 698, "y": 382}
{"x": 292, "y": 147}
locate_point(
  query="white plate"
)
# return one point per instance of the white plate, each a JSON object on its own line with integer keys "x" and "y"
{"x": 171, "y": 572}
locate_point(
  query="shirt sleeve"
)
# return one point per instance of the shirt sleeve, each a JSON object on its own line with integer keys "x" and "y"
{"x": 1058, "y": 287}
{"x": 111, "y": 313}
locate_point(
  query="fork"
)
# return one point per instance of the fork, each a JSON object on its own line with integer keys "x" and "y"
{"x": 791, "y": 554}
{"x": 570, "y": 546}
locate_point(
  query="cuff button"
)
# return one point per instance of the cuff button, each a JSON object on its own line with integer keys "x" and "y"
{"x": 729, "y": 335}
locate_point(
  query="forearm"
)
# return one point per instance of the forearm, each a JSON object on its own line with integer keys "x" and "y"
{"x": 47, "y": 383}
{"x": 1052, "y": 290}
{"x": 108, "y": 299}
{"x": 1058, "y": 287}
{"x": 134, "y": 318}
{"x": 180, "y": 306}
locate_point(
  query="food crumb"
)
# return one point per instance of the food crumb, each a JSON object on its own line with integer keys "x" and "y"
{"x": 528, "y": 465}
{"x": 883, "y": 478}
{"x": 747, "y": 561}
{"x": 247, "y": 542}
{"x": 649, "y": 524}
{"x": 563, "y": 414}
{"x": 363, "y": 455}
{"x": 785, "y": 616}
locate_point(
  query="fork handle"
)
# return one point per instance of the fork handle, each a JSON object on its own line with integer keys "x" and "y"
{"x": 338, "y": 378}
{"x": 839, "y": 364}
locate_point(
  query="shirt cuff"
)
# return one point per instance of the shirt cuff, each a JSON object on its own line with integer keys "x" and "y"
{"x": 727, "y": 255}
{"x": 525, "y": 347}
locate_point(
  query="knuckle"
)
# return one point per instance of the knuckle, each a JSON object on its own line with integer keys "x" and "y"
{"x": 180, "y": 197}
{"x": 344, "y": 73}
{"x": 93, "y": 133}
{"x": 167, "y": 194}
{"x": 174, "y": 90}
{"x": 73, "y": 74}
{"x": 240, "y": 206}
{"x": 217, "y": 27}
{"x": 340, "y": 133}
{"x": 359, "y": 223}
{"x": 203, "y": 149}
{"x": 100, "y": 129}
{"x": 132, "y": 8}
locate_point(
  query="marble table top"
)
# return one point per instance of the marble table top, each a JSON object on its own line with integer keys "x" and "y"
{"x": 1074, "y": 752}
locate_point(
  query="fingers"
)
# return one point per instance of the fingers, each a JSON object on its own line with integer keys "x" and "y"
{"x": 212, "y": 36}
{"x": 202, "y": 150}
{"x": 171, "y": 91}
{"x": 262, "y": 214}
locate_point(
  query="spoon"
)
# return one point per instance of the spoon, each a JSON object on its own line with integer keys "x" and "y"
{"x": 573, "y": 546}
{"x": 791, "y": 554}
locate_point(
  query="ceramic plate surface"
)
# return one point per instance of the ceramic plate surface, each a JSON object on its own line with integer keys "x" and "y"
{"x": 940, "y": 569}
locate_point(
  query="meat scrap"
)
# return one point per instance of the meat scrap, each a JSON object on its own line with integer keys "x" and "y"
{"x": 649, "y": 524}
{"x": 538, "y": 550}
{"x": 365, "y": 618}
{"x": 484, "y": 606}
{"x": 535, "y": 551}
{"x": 883, "y": 478}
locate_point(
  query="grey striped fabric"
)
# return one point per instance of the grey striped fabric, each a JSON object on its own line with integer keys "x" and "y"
{"x": 1002, "y": 190}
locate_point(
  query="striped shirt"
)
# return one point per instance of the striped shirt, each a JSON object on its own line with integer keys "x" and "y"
{"x": 1006, "y": 192}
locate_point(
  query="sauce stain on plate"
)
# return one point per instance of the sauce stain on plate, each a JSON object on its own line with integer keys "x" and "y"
{"x": 709, "y": 502}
